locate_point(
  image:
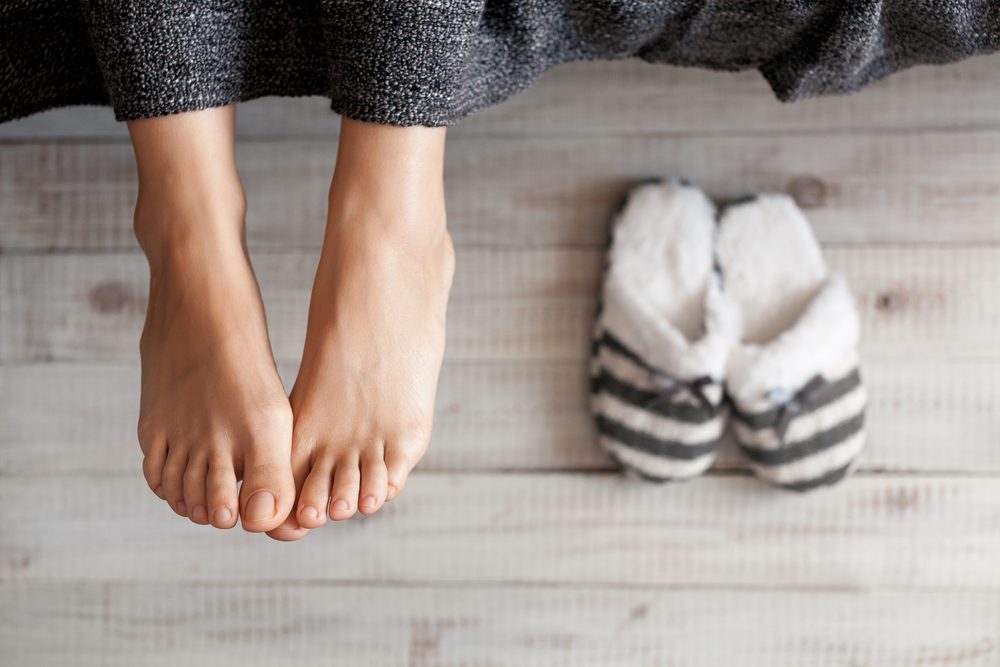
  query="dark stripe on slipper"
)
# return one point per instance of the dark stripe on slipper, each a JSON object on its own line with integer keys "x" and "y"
{"x": 643, "y": 475}
{"x": 632, "y": 470}
{"x": 619, "y": 347}
{"x": 825, "y": 479}
{"x": 644, "y": 442}
{"x": 797, "y": 451}
{"x": 837, "y": 390}
{"x": 688, "y": 413}
{"x": 609, "y": 340}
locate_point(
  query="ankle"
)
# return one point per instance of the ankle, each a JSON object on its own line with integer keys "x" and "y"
{"x": 423, "y": 253}
{"x": 389, "y": 175}
{"x": 179, "y": 218}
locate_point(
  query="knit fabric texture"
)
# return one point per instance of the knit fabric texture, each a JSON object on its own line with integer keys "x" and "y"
{"x": 433, "y": 62}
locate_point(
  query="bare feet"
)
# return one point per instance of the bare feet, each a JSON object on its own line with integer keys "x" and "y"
{"x": 364, "y": 398}
{"x": 213, "y": 410}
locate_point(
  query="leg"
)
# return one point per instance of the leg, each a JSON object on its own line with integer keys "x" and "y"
{"x": 213, "y": 409}
{"x": 364, "y": 398}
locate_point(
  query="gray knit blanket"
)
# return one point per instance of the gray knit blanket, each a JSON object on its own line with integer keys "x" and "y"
{"x": 432, "y": 62}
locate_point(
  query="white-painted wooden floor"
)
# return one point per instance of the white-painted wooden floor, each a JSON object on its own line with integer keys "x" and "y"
{"x": 516, "y": 543}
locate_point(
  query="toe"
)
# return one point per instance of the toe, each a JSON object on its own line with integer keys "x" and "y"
{"x": 285, "y": 533}
{"x": 397, "y": 462}
{"x": 222, "y": 496}
{"x": 346, "y": 487}
{"x": 289, "y": 531}
{"x": 268, "y": 491}
{"x": 194, "y": 490}
{"x": 173, "y": 479}
{"x": 374, "y": 480}
{"x": 152, "y": 465}
{"x": 315, "y": 495}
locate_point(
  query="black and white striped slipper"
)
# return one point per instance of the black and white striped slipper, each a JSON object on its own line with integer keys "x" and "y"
{"x": 659, "y": 343}
{"x": 793, "y": 379}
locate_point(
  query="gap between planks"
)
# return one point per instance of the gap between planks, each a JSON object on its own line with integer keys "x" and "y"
{"x": 513, "y": 305}
{"x": 869, "y": 532}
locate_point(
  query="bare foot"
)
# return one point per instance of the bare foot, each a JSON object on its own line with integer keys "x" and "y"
{"x": 213, "y": 410}
{"x": 364, "y": 398}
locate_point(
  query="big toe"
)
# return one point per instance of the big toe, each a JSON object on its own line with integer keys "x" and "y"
{"x": 268, "y": 491}
{"x": 374, "y": 481}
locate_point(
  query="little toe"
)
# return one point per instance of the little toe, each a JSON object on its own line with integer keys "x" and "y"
{"x": 194, "y": 491}
{"x": 315, "y": 495}
{"x": 152, "y": 465}
{"x": 222, "y": 496}
{"x": 268, "y": 491}
{"x": 173, "y": 479}
{"x": 346, "y": 487}
{"x": 374, "y": 481}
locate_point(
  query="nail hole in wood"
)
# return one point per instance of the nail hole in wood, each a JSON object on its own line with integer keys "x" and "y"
{"x": 890, "y": 302}
{"x": 808, "y": 191}
{"x": 110, "y": 297}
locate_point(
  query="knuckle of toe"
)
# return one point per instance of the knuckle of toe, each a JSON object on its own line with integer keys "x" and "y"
{"x": 258, "y": 470}
{"x": 412, "y": 447}
{"x": 348, "y": 473}
{"x": 219, "y": 473}
{"x": 275, "y": 415}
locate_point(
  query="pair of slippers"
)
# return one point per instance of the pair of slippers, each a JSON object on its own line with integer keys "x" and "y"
{"x": 714, "y": 321}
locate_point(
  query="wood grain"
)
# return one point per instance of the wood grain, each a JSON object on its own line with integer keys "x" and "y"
{"x": 508, "y": 305}
{"x": 898, "y": 187}
{"x": 925, "y": 415}
{"x": 514, "y": 543}
{"x": 309, "y": 624}
{"x": 596, "y": 98}
{"x": 869, "y": 533}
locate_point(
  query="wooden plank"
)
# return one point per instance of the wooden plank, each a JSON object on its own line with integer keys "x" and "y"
{"x": 490, "y": 416}
{"x": 595, "y": 98}
{"x": 906, "y": 187}
{"x": 246, "y": 625}
{"x": 516, "y": 305}
{"x": 869, "y": 533}
{"x": 932, "y": 416}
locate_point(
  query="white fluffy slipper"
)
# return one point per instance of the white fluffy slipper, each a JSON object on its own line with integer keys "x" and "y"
{"x": 793, "y": 378}
{"x": 660, "y": 344}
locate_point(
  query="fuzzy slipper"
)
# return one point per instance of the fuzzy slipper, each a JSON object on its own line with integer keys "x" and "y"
{"x": 793, "y": 378}
{"x": 659, "y": 343}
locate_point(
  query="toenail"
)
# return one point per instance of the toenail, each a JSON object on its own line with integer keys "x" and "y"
{"x": 342, "y": 505}
{"x": 369, "y": 502}
{"x": 261, "y": 506}
{"x": 181, "y": 507}
{"x": 223, "y": 515}
{"x": 199, "y": 513}
{"x": 310, "y": 512}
